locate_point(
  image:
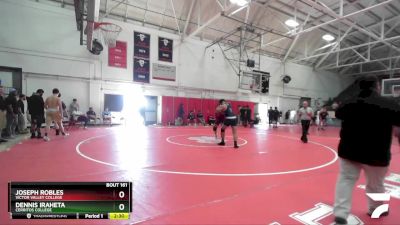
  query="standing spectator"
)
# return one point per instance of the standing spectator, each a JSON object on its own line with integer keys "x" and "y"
{"x": 64, "y": 107}
{"x": 248, "y": 115}
{"x": 242, "y": 116}
{"x": 287, "y": 115}
{"x": 314, "y": 118}
{"x": 180, "y": 115}
{"x": 3, "y": 112}
{"x": 305, "y": 115}
{"x": 270, "y": 116}
{"x": 12, "y": 113}
{"x": 275, "y": 117}
{"x": 74, "y": 110}
{"x": 364, "y": 145}
{"x": 21, "y": 114}
{"x": 74, "y": 106}
{"x": 36, "y": 110}
{"x": 323, "y": 114}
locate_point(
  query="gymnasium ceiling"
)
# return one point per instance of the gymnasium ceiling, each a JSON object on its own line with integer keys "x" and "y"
{"x": 367, "y": 32}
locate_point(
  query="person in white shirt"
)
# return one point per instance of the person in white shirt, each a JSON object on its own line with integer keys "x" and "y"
{"x": 305, "y": 114}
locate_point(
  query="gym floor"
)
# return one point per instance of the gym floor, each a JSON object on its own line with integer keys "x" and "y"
{"x": 180, "y": 175}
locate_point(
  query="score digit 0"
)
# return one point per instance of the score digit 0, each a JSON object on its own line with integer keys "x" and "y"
{"x": 121, "y": 194}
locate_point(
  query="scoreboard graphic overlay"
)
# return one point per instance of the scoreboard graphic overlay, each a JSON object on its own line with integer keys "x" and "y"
{"x": 70, "y": 200}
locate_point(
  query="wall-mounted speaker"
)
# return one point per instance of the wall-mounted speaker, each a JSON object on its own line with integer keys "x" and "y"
{"x": 97, "y": 47}
{"x": 286, "y": 79}
{"x": 250, "y": 63}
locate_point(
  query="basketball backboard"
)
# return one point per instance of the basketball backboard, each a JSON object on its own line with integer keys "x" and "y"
{"x": 254, "y": 81}
{"x": 390, "y": 87}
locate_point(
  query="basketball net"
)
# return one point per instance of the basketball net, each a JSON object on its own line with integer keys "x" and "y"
{"x": 108, "y": 32}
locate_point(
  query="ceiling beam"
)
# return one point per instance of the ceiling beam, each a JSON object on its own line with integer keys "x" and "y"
{"x": 338, "y": 18}
{"x": 359, "y": 63}
{"x": 371, "y": 72}
{"x": 347, "y": 21}
{"x": 295, "y": 40}
{"x": 333, "y": 48}
{"x": 210, "y": 21}
{"x": 192, "y": 4}
{"x": 347, "y": 48}
{"x": 176, "y": 19}
{"x": 126, "y": 11}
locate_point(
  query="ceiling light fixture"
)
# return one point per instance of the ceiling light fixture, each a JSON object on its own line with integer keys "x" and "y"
{"x": 328, "y": 37}
{"x": 240, "y": 2}
{"x": 291, "y": 23}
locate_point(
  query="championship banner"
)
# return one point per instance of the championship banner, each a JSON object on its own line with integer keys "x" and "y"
{"x": 165, "y": 49}
{"x": 117, "y": 55}
{"x": 164, "y": 72}
{"x": 70, "y": 200}
{"x": 141, "y": 70}
{"x": 141, "y": 45}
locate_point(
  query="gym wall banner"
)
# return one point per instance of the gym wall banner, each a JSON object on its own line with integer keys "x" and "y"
{"x": 164, "y": 72}
{"x": 141, "y": 45}
{"x": 117, "y": 55}
{"x": 141, "y": 70}
{"x": 165, "y": 49}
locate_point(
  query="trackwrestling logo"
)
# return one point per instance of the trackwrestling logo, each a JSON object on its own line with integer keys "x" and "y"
{"x": 384, "y": 208}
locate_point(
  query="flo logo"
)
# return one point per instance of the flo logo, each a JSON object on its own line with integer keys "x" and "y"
{"x": 142, "y": 37}
{"x": 384, "y": 208}
{"x": 204, "y": 139}
{"x": 165, "y": 42}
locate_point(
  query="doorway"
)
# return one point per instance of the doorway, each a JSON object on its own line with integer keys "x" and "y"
{"x": 263, "y": 113}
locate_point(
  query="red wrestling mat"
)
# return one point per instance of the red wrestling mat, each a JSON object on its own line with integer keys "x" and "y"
{"x": 181, "y": 176}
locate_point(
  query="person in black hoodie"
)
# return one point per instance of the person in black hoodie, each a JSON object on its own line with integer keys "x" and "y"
{"x": 364, "y": 144}
{"x": 3, "y": 113}
{"x": 36, "y": 110}
{"x": 12, "y": 112}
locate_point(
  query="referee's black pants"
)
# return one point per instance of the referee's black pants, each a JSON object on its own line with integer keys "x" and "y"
{"x": 305, "y": 125}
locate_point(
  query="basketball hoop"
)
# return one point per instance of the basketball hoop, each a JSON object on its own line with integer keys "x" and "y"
{"x": 109, "y": 31}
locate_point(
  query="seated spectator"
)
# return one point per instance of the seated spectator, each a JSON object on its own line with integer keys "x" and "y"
{"x": 211, "y": 120}
{"x": 106, "y": 116}
{"x": 200, "y": 118}
{"x": 191, "y": 118}
{"x": 91, "y": 115}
